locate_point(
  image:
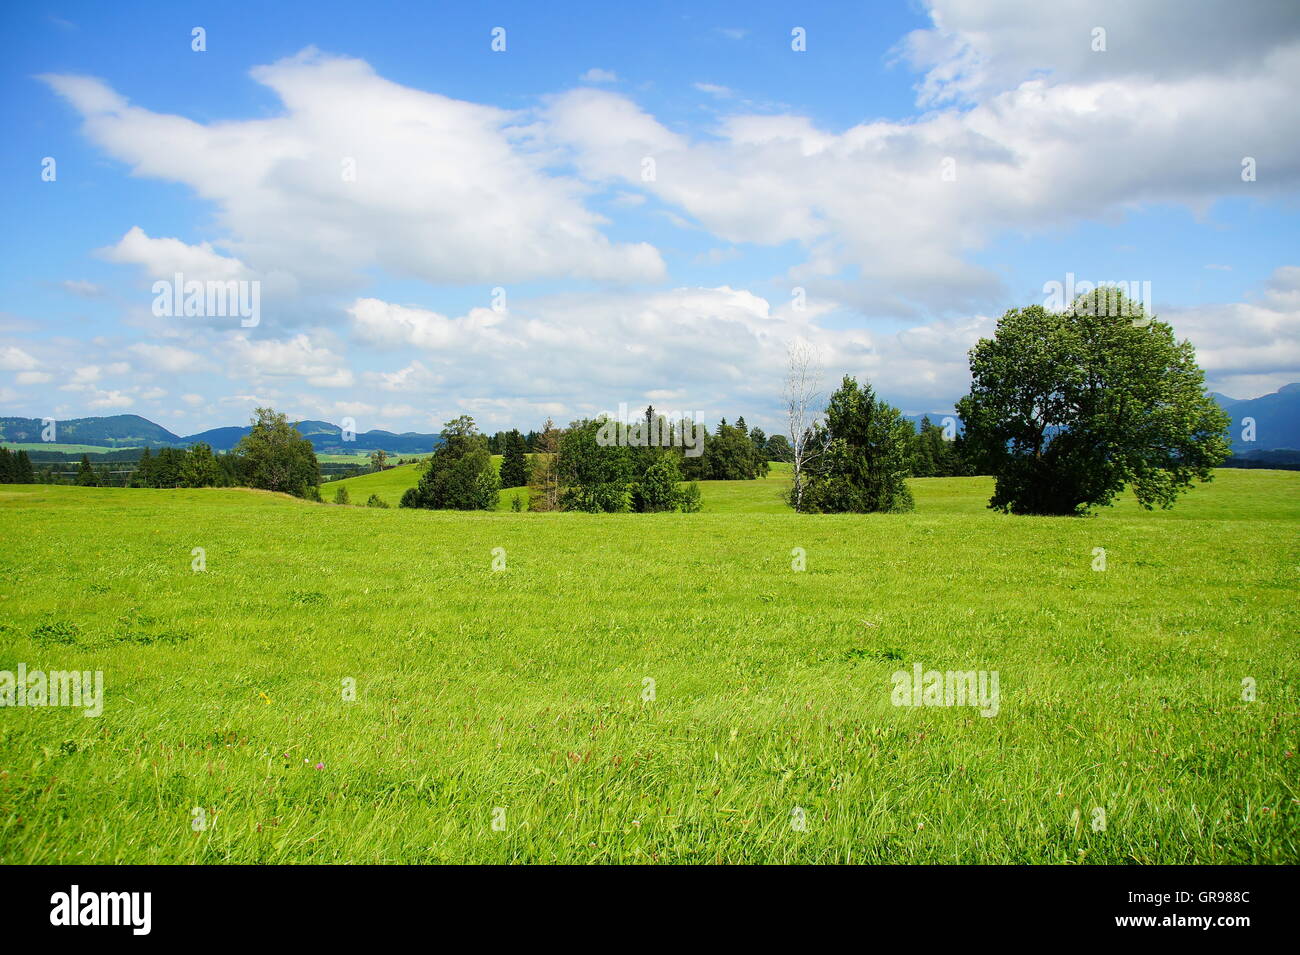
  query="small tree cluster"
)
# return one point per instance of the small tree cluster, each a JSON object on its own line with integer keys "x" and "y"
{"x": 459, "y": 475}
{"x": 933, "y": 455}
{"x": 596, "y": 476}
{"x": 730, "y": 454}
{"x": 16, "y": 467}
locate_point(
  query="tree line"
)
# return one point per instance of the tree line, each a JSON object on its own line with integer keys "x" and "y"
{"x": 1066, "y": 409}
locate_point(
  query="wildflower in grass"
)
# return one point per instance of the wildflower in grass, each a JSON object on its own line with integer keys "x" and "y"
{"x": 320, "y": 765}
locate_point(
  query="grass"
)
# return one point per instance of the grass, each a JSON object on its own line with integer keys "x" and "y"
{"x": 522, "y": 690}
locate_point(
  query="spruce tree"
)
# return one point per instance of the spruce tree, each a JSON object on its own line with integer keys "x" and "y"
{"x": 86, "y": 474}
{"x": 869, "y": 456}
{"x": 514, "y": 466}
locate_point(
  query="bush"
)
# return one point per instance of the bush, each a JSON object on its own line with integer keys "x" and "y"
{"x": 374, "y": 500}
{"x": 657, "y": 489}
{"x": 341, "y": 496}
{"x": 689, "y": 499}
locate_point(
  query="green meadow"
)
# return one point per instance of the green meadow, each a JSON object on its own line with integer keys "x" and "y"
{"x": 650, "y": 688}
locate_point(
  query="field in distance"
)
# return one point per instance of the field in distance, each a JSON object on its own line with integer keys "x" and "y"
{"x": 651, "y": 688}
{"x": 760, "y": 496}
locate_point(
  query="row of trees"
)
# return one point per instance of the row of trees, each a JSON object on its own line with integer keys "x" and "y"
{"x": 573, "y": 469}
{"x": 273, "y": 456}
{"x": 1066, "y": 409}
{"x": 16, "y": 467}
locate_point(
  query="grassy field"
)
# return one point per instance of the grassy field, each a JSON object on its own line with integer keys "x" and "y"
{"x": 519, "y": 696}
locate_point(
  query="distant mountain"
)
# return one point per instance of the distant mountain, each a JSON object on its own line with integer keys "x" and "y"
{"x": 133, "y": 431}
{"x": 327, "y": 438}
{"x": 115, "y": 431}
{"x": 936, "y": 418}
{"x": 1276, "y": 421}
{"x": 219, "y": 439}
{"x": 1276, "y": 418}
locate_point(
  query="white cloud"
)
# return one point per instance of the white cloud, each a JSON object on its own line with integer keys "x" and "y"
{"x": 713, "y": 89}
{"x": 444, "y": 190}
{"x": 109, "y": 400}
{"x": 884, "y": 231}
{"x": 164, "y": 257}
{"x": 720, "y": 351}
{"x": 979, "y": 47}
{"x": 295, "y": 357}
{"x": 1247, "y": 348}
{"x": 597, "y": 75}
{"x": 82, "y": 288}
{"x": 167, "y": 357}
{"x": 13, "y": 358}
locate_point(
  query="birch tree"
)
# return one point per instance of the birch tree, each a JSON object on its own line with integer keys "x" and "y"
{"x": 802, "y": 393}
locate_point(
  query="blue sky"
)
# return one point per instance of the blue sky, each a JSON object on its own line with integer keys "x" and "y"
{"x": 523, "y": 170}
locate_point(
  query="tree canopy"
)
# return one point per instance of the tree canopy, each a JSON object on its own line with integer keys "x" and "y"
{"x": 459, "y": 475}
{"x": 275, "y": 456}
{"x": 1068, "y": 408}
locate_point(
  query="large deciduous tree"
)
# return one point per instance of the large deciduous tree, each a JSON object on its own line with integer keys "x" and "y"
{"x": 1068, "y": 408}
{"x": 273, "y": 456}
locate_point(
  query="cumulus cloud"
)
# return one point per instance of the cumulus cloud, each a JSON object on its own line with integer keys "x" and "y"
{"x": 889, "y": 212}
{"x": 13, "y": 358}
{"x": 358, "y": 171}
{"x": 295, "y": 357}
{"x": 356, "y": 178}
{"x": 1247, "y": 348}
{"x": 720, "y": 351}
{"x": 979, "y": 47}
